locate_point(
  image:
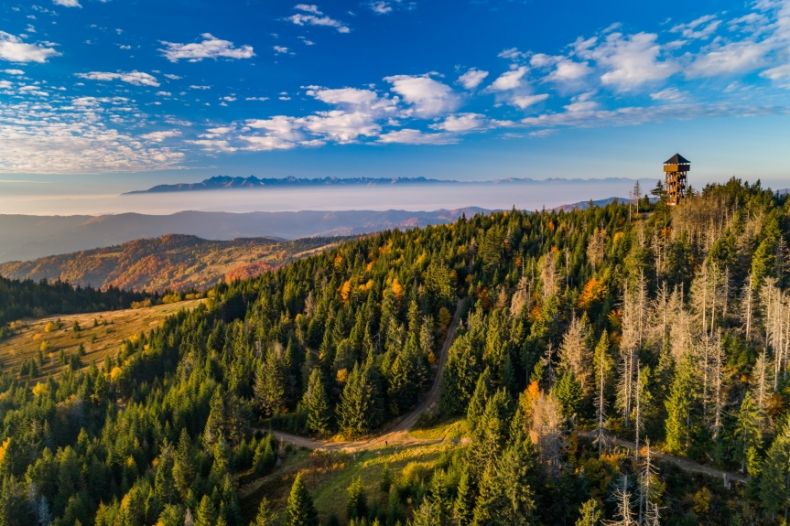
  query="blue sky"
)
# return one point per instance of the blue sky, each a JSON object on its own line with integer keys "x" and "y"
{"x": 145, "y": 91}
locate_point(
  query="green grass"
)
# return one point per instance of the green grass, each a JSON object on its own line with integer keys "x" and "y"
{"x": 447, "y": 431}
{"x": 100, "y": 333}
{"x": 328, "y": 475}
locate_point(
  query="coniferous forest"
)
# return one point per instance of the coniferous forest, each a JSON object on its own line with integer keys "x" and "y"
{"x": 622, "y": 365}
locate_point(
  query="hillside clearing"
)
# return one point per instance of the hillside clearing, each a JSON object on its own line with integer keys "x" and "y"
{"x": 100, "y": 334}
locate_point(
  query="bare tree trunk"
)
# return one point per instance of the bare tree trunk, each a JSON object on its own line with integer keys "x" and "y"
{"x": 638, "y": 421}
{"x": 748, "y": 298}
{"x": 718, "y": 406}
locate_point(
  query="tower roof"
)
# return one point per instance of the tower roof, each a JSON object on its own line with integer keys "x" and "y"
{"x": 677, "y": 159}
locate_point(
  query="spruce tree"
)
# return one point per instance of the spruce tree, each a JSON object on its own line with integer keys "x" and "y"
{"x": 316, "y": 405}
{"x": 215, "y": 421}
{"x": 590, "y": 514}
{"x": 505, "y": 494}
{"x": 270, "y": 384}
{"x": 775, "y": 476}
{"x": 359, "y": 410}
{"x": 207, "y": 512}
{"x": 749, "y": 434}
{"x": 477, "y": 403}
{"x": 680, "y": 424}
{"x": 266, "y": 515}
{"x": 357, "y": 506}
{"x": 463, "y": 508}
{"x": 300, "y": 510}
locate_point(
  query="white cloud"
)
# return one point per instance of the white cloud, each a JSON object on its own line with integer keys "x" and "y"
{"x": 341, "y": 126}
{"x": 350, "y": 96}
{"x": 266, "y": 143}
{"x": 308, "y": 8}
{"x": 385, "y": 7}
{"x": 282, "y": 126}
{"x": 81, "y": 135}
{"x": 210, "y": 47}
{"x": 67, "y": 3}
{"x": 218, "y": 131}
{"x": 541, "y": 134}
{"x": 525, "y": 101}
{"x": 472, "y": 78}
{"x": 5, "y": 84}
{"x": 636, "y": 115}
{"x": 509, "y": 80}
{"x": 427, "y": 96}
{"x": 735, "y": 57}
{"x": 569, "y": 71}
{"x": 463, "y": 122}
{"x": 13, "y": 72}
{"x": 381, "y": 7}
{"x": 630, "y": 61}
{"x": 513, "y": 54}
{"x": 667, "y": 95}
{"x": 412, "y": 136}
{"x": 35, "y": 91}
{"x": 280, "y": 50}
{"x": 135, "y": 78}
{"x": 540, "y": 60}
{"x": 779, "y": 75}
{"x": 13, "y": 49}
{"x": 161, "y": 136}
{"x": 701, "y": 28}
{"x": 199, "y": 87}
{"x": 214, "y": 145}
{"x": 310, "y": 15}
{"x": 280, "y": 132}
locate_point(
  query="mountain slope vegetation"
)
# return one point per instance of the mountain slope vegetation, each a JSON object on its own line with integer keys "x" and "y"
{"x": 168, "y": 263}
{"x": 664, "y": 326}
{"x": 30, "y": 299}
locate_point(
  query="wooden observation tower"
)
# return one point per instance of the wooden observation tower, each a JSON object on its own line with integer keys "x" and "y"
{"x": 676, "y": 170}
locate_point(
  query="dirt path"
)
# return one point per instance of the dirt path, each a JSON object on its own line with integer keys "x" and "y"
{"x": 396, "y": 432}
{"x": 689, "y": 466}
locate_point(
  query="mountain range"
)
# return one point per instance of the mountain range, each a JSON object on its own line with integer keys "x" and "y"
{"x": 24, "y": 237}
{"x": 226, "y": 182}
{"x": 172, "y": 262}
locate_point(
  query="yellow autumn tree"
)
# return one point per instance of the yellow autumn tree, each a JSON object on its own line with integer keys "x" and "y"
{"x": 4, "y": 447}
{"x": 397, "y": 288}
{"x": 345, "y": 290}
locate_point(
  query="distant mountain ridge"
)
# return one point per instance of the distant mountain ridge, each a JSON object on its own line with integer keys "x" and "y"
{"x": 171, "y": 262}
{"x": 25, "y": 237}
{"x": 226, "y": 182}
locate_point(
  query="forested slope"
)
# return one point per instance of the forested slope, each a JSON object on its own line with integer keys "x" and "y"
{"x": 664, "y": 326}
{"x": 167, "y": 263}
{"x": 28, "y": 299}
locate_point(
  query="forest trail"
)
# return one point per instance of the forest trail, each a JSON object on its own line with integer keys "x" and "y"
{"x": 684, "y": 464}
{"x": 397, "y": 432}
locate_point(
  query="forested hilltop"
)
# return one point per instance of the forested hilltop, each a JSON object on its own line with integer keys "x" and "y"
{"x": 668, "y": 328}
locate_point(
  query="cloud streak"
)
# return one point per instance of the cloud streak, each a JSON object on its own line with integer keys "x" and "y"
{"x": 210, "y": 47}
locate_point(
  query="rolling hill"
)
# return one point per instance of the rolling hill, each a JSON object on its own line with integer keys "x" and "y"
{"x": 24, "y": 237}
{"x": 171, "y": 262}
